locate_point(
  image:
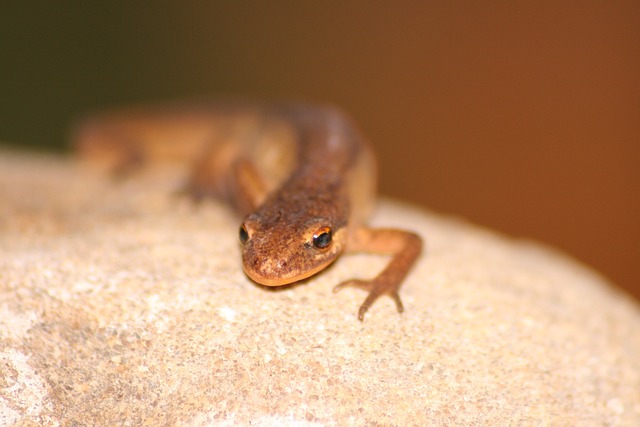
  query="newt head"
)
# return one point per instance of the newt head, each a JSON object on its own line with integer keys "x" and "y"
{"x": 280, "y": 250}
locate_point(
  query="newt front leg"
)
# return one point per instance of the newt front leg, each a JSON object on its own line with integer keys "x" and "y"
{"x": 403, "y": 246}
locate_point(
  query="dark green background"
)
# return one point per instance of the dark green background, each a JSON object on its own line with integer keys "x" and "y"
{"x": 61, "y": 59}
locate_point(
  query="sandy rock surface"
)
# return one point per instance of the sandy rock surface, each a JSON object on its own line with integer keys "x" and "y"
{"x": 123, "y": 304}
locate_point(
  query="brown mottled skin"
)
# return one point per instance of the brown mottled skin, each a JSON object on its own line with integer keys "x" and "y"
{"x": 302, "y": 176}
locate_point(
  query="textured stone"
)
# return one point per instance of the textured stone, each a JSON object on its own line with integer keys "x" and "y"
{"x": 122, "y": 303}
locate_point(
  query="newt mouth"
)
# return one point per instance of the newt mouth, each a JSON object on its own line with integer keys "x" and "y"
{"x": 283, "y": 278}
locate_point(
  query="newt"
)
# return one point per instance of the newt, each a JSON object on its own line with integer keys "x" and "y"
{"x": 302, "y": 176}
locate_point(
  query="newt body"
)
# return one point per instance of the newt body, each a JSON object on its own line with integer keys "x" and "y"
{"x": 302, "y": 177}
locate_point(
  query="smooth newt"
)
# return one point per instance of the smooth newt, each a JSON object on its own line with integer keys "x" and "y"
{"x": 302, "y": 176}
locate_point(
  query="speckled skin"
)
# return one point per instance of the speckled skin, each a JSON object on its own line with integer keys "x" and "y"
{"x": 292, "y": 170}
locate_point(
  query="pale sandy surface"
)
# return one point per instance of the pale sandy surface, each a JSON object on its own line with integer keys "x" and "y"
{"x": 121, "y": 304}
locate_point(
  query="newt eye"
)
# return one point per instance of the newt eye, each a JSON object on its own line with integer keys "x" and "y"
{"x": 244, "y": 235}
{"x": 322, "y": 238}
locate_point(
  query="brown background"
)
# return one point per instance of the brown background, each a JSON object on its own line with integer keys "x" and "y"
{"x": 524, "y": 118}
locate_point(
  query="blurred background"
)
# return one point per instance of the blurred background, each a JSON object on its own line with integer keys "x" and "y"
{"x": 520, "y": 116}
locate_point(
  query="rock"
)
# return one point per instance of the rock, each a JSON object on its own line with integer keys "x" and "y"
{"x": 122, "y": 303}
